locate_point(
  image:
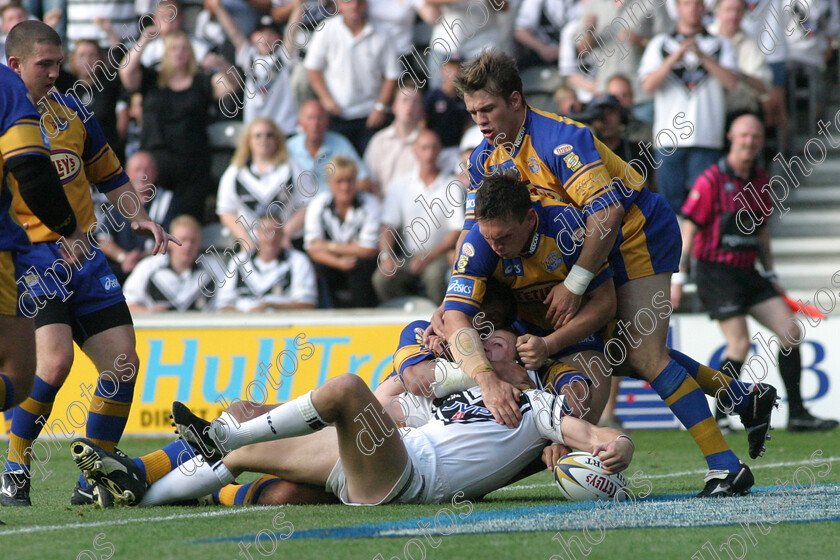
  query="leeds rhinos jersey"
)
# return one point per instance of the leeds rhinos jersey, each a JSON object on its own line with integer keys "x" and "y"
{"x": 553, "y": 250}
{"x": 20, "y": 135}
{"x": 564, "y": 163}
{"x": 81, "y": 156}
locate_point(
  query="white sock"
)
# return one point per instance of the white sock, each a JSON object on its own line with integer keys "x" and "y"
{"x": 295, "y": 418}
{"x": 192, "y": 480}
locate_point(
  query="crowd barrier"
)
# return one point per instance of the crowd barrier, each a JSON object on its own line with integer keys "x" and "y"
{"x": 208, "y": 361}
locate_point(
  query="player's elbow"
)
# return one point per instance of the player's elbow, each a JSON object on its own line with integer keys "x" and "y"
{"x": 418, "y": 378}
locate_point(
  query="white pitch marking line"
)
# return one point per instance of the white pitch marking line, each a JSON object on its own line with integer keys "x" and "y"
{"x": 236, "y": 511}
{"x": 684, "y": 473}
{"x": 112, "y": 522}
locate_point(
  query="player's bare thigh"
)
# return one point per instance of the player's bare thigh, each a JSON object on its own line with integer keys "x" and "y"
{"x": 306, "y": 459}
{"x": 54, "y": 348}
{"x": 645, "y": 347}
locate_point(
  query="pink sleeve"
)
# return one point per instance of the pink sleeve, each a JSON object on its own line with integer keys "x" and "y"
{"x": 698, "y": 203}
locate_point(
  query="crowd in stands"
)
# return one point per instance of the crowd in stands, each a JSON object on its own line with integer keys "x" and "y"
{"x": 346, "y": 184}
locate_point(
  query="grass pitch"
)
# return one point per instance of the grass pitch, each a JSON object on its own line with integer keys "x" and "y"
{"x": 521, "y": 521}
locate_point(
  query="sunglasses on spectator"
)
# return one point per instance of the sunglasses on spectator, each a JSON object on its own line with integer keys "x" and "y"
{"x": 263, "y": 134}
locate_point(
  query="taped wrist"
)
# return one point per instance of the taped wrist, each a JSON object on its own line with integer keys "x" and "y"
{"x": 578, "y": 280}
{"x": 41, "y": 190}
{"x": 449, "y": 379}
{"x": 467, "y": 346}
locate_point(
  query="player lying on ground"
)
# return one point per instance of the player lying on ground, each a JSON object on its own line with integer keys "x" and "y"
{"x": 461, "y": 448}
{"x": 415, "y": 369}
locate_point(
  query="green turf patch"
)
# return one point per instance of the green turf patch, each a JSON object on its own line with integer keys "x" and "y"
{"x": 52, "y": 529}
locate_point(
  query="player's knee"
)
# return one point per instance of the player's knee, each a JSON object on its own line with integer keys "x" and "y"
{"x": 347, "y": 384}
{"x": 644, "y": 361}
{"x": 128, "y": 364}
{"x": 55, "y": 367}
{"x": 738, "y": 348}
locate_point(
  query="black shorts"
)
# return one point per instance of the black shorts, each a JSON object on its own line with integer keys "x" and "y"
{"x": 58, "y": 312}
{"x": 728, "y": 291}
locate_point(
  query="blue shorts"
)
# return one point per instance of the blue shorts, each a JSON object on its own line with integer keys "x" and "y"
{"x": 649, "y": 241}
{"x": 86, "y": 291}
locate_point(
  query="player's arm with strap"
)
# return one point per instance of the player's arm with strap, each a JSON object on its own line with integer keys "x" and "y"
{"x": 552, "y": 419}
{"x": 500, "y": 397}
{"x": 591, "y": 188}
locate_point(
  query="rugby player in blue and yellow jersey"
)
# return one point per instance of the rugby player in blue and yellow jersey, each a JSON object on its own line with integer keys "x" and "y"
{"x": 530, "y": 247}
{"x": 82, "y": 303}
{"x": 24, "y": 157}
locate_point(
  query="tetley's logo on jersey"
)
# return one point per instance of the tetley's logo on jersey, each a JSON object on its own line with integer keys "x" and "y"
{"x": 68, "y": 165}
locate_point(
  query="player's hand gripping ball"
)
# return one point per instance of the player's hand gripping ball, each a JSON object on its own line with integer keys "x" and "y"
{"x": 580, "y": 477}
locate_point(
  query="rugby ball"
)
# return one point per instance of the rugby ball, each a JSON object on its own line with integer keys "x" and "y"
{"x": 580, "y": 477}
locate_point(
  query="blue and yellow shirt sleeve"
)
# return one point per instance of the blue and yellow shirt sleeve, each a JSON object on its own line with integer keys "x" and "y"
{"x": 410, "y": 349}
{"x": 579, "y": 164}
{"x": 20, "y": 125}
{"x": 102, "y": 167}
{"x": 467, "y": 286}
{"x": 476, "y": 173}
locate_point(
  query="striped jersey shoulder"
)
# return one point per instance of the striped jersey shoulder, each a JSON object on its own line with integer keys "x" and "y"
{"x": 560, "y": 136}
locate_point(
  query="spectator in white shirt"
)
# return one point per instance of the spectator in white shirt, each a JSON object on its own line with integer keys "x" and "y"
{"x": 754, "y": 73}
{"x": 390, "y": 152}
{"x": 396, "y": 18}
{"x": 342, "y": 238}
{"x": 261, "y": 179}
{"x": 465, "y": 28}
{"x": 689, "y": 72}
{"x": 266, "y": 62}
{"x": 353, "y": 70}
{"x": 171, "y": 282}
{"x": 421, "y": 221}
{"x": 538, "y": 27}
{"x": 271, "y": 278}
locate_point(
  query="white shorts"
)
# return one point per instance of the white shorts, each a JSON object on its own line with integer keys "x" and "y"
{"x": 418, "y": 484}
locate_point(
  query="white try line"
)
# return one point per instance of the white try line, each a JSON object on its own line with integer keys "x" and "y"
{"x": 684, "y": 473}
{"x": 238, "y": 510}
{"x": 113, "y": 522}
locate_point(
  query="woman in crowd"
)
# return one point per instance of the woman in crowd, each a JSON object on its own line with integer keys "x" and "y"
{"x": 261, "y": 180}
{"x": 176, "y": 104}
